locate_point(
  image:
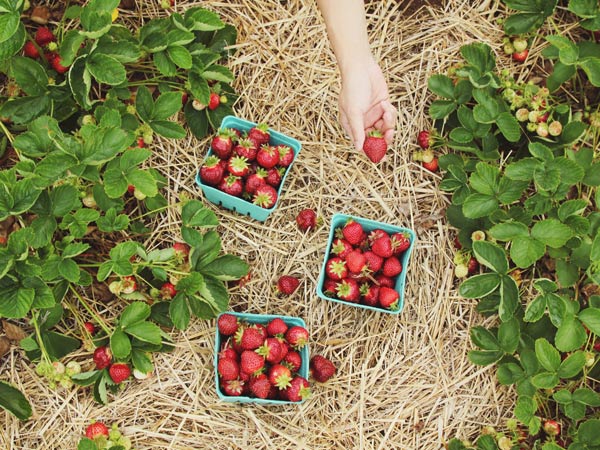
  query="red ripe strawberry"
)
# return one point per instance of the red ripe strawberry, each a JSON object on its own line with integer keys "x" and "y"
{"x": 260, "y": 386}
{"x": 228, "y": 369}
{"x": 293, "y": 360}
{"x": 353, "y": 232}
{"x": 356, "y": 261}
{"x": 95, "y": 430}
{"x": 211, "y": 172}
{"x": 400, "y": 242}
{"x": 384, "y": 281}
{"x": 322, "y": 368}
{"x": 597, "y": 346}
{"x": 424, "y": 139}
{"x": 238, "y": 166}
{"x": 251, "y": 338}
{"x": 431, "y": 166}
{"x": 297, "y": 336}
{"x": 261, "y": 329}
{"x": 336, "y": 268}
{"x": 181, "y": 249}
{"x": 341, "y": 247}
{"x": 227, "y": 324}
{"x": 552, "y": 427}
{"x": 392, "y": 267}
{"x": 255, "y": 180}
{"x": 167, "y": 290}
{"x": 472, "y": 266}
{"x": 246, "y": 148}
{"x": 287, "y": 285}
{"x": 222, "y": 143}
{"x": 375, "y": 146}
{"x": 270, "y": 350}
{"x": 306, "y": 219}
{"x": 274, "y": 177}
{"x": 265, "y": 196}
{"x": 382, "y": 246}
{"x": 231, "y": 185}
{"x": 267, "y": 156}
{"x": 229, "y": 353}
{"x": 90, "y": 328}
{"x": 374, "y": 262}
{"x": 119, "y": 372}
{"x": 44, "y": 36}
{"x": 259, "y": 134}
{"x": 286, "y": 155}
{"x": 30, "y": 50}
{"x": 233, "y": 388}
{"x": 276, "y": 327}
{"x": 348, "y": 290}
{"x": 102, "y": 357}
{"x": 330, "y": 286}
{"x": 520, "y": 56}
{"x": 388, "y": 298}
{"x": 369, "y": 294}
{"x": 375, "y": 234}
{"x": 298, "y": 390}
{"x": 141, "y": 143}
{"x": 280, "y": 376}
{"x": 214, "y": 101}
{"x": 57, "y": 66}
{"x": 251, "y": 362}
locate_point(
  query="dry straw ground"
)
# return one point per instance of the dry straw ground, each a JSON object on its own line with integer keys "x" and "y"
{"x": 403, "y": 382}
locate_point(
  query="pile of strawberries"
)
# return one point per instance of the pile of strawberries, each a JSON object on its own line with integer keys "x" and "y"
{"x": 247, "y": 165}
{"x": 46, "y": 42}
{"x": 363, "y": 267}
{"x": 263, "y": 361}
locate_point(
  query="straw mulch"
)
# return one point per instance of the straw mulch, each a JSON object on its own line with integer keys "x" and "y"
{"x": 403, "y": 382}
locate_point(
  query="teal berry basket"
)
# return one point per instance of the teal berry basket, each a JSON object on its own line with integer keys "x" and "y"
{"x": 237, "y": 204}
{"x": 337, "y": 221}
{"x": 262, "y": 319}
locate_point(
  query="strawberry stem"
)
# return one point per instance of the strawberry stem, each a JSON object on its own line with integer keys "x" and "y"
{"x": 38, "y": 335}
{"x": 92, "y": 313}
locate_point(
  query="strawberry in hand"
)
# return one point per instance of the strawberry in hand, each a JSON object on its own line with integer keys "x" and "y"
{"x": 375, "y": 146}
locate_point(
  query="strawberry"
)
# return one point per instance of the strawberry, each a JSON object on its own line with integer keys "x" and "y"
{"x": 227, "y": 324}
{"x": 330, "y": 286}
{"x": 30, "y": 50}
{"x": 383, "y": 246}
{"x": 273, "y": 177}
{"x": 297, "y": 336}
{"x": 167, "y": 290}
{"x": 375, "y": 146}
{"x": 265, "y": 196}
{"x": 44, "y": 36}
{"x": 392, "y": 267}
{"x": 119, "y": 372}
{"x": 287, "y": 285}
{"x": 233, "y": 388}
{"x": 520, "y": 56}
{"x": 286, "y": 155}
{"x": 472, "y": 266}
{"x": 260, "y": 386}
{"x": 431, "y": 166}
{"x": 270, "y": 350}
{"x": 255, "y": 180}
{"x": 211, "y": 172}
{"x": 424, "y": 139}
{"x": 140, "y": 142}
{"x": 280, "y": 376}
{"x": 400, "y": 242}
{"x": 348, "y": 290}
{"x": 551, "y": 427}
{"x": 102, "y": 357}
{"x": 336, "y": 268}
{"x": 267, "y": 156}
{"x": 251, "y": 362}
{"x": 298, "y": 389}
{"x": 95, "y": 430}
{"x": 356, "y": 261}
{"x": 276, "y": 327}
{"x": 307, "y": 219}
{"x": 238, "y": 166}
{"x": 231, "y": 185}
{"x": 369, "y": 294}
{"x": 228, "y": 369}
{"x": 128, "y": 285}
{"x": 251, "y": 338}
{"x": 181, "y": 249}
{"x": 214, "y": 101}
{"x": 374, "y": 261}
{"x": 89, "y": 327}
{"x": 246, "y": 148}
{"x": 388, "y": 297}
{"x": 382, "y": 280}
{"x": 57, "y": 66}
{"x": 259, "y": 134}
{"x": 322, "y": 368}
{"x": 229, "y": 353}
{"x": 340, "y": 247}
{"x": 222, "y": 144}
{"x": 293, "y": 360}
{"x": 353, "y": 232}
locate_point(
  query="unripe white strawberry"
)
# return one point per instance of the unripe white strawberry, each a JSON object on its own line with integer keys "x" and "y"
{"x": 533, "y": 116}
{"x": 555, "y": 128}
{"x": 522, "y": 114}
{"x": 505, "y": 443}
{"x": 461, "y": 271}
{"x": 542, "y": 129}
{"x": 589, "y": 359}
{"x": 128, "y": 285}
{"x": 72, "y": 368}
{"x": 138, "y": 375}
{"x": 139, "y": 194}
{"x": 509, "y": 49}
{"x": 88, "y": 119}
{"x": 478, "y": 235}
{"x": 115, "y": 287}
{"x": 89, "y": 201}
{"x": 59, "y": 368}
{"x": 197, "y": 105}
{"x": 520, "y": 44}
{"x": 531, "y": 126}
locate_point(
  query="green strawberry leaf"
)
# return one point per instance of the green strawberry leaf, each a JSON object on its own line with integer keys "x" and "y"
{"x": 12, "y": 400}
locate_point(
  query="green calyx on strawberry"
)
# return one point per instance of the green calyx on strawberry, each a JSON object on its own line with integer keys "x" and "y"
{"x": 388, "y": 298}
{"x": 400, "y": 242}
{"x": 246, "y": 148}
{"x": 119, "y": 372}
{"x": 231, "y": 185}
{"x": 271, "y": 350}
{"x": 238, "y": 166}
{"x": 265, "y": 196}
{"x": 222, "y": 144}
{"x": 267, "y": 156}
{"x": 340, "y": 247}
{"x": 298, "y": 390}
{"x": 286, "y": 155}
{"x": 212, "y": 171}
{"x": 375, "y": 146}
{"x": 259, "y": 134}
{"x": 336, "y": 268}
{"x": 348, "y": 290}
{"x": 369, "y": 294}
{"x": 280, "y": 376}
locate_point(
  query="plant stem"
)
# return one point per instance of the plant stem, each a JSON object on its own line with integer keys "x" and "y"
{"x": 93, "y": 313}
{"x": 6, "y": 132}
{"x": 38, "y": 335}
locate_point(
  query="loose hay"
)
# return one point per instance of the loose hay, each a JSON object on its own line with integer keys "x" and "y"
{"x": 403, "y": 382}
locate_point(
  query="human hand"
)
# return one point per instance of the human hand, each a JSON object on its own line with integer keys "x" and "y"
{"x": 364, "y": 103}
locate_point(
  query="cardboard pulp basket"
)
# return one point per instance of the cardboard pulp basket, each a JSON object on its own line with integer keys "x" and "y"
{"x": 238, "y": 204}
{"x": 262, "y": 319}
{"x": 339, "y": 220}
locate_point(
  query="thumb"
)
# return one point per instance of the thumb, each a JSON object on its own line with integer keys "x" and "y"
{"x": 357, "y": 128}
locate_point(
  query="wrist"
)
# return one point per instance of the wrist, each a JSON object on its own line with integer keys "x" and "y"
{"x": 358, "y": 62}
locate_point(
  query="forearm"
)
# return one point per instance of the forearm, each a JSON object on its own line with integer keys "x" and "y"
{"x": 347, "y": 31}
